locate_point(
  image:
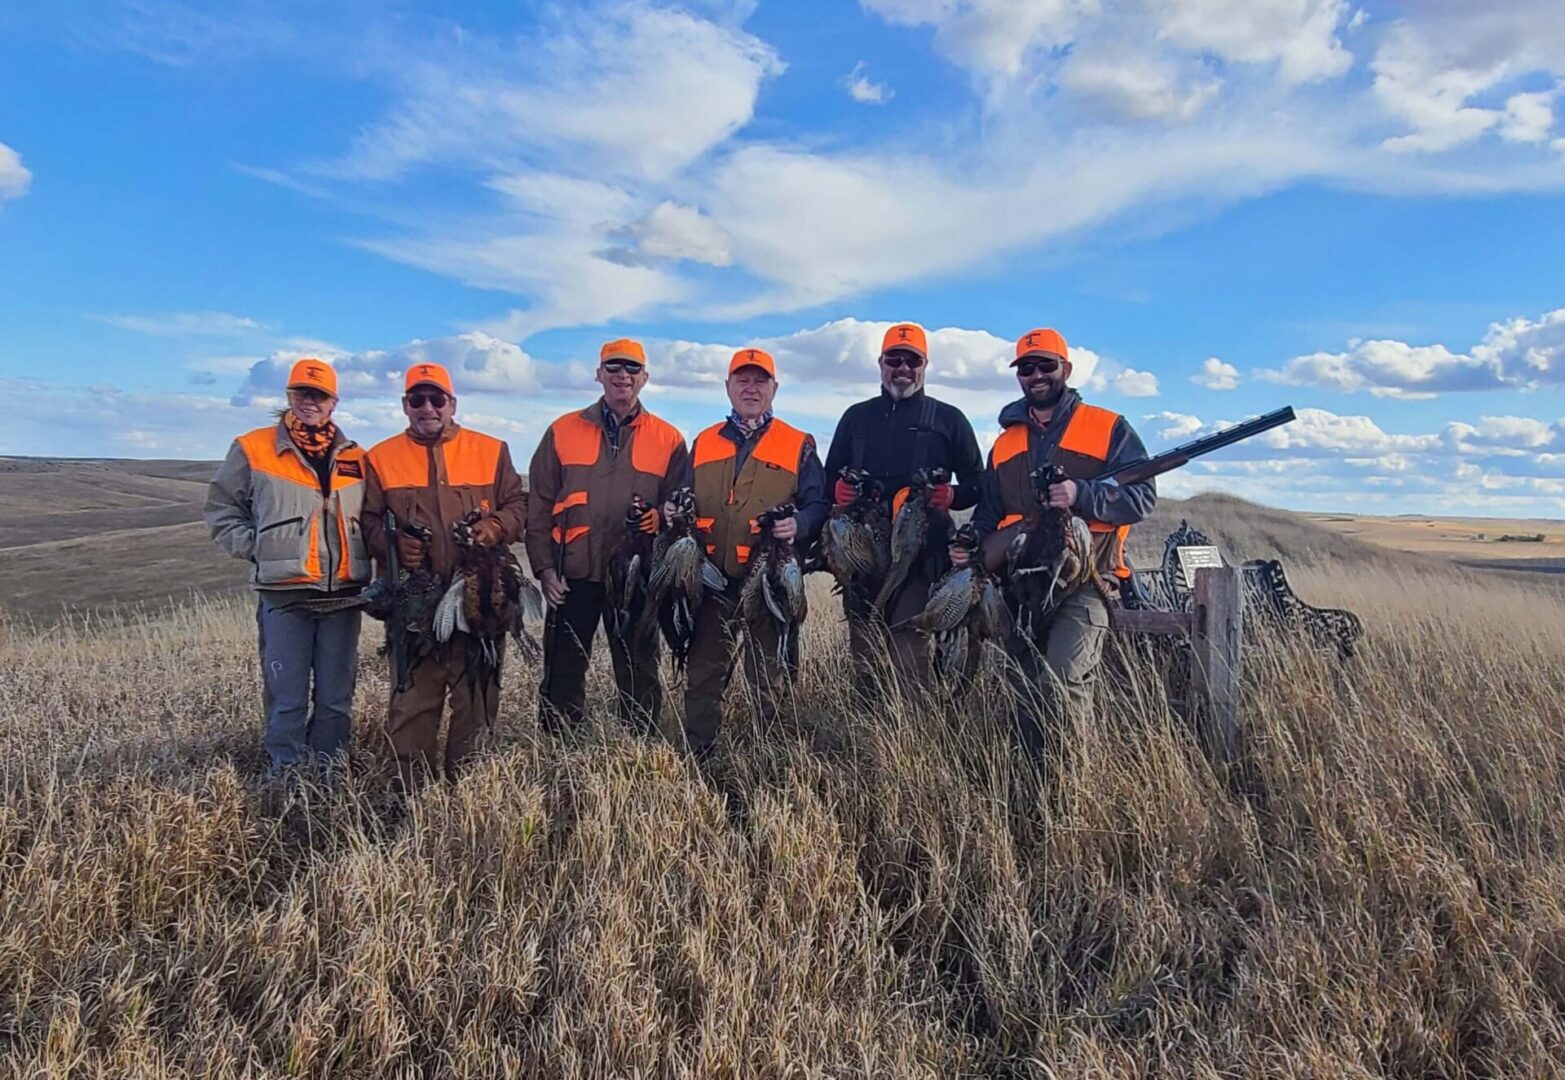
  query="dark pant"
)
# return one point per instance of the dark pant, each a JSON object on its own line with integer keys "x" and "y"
{"x": 562, "y": 695}
{"x": 894, "y": 660}
{"x": 712, "y": 659}
{"x": 1053, "y": 678}
{"x": 413, "y": 718}
{"x": 308, "y": 668}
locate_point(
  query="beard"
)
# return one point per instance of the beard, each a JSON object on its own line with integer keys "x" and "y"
{"x": 899, "y": 390}
{"x": 1046, "y": 396}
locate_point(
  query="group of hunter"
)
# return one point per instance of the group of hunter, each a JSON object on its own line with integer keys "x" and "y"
{"x": 306, "y": 506}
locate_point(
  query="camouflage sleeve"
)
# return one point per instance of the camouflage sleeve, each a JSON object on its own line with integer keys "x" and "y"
{"x": 227, "y": 513}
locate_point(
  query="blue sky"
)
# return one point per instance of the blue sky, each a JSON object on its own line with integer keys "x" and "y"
{"x": 1354, "y": 209}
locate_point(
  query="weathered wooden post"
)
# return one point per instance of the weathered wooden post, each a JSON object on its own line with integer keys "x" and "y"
{"x": 1216, "y": 647}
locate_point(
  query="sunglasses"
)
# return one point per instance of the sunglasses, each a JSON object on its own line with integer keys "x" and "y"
{"x": 434, "y": 397}
{"x": 1027, "y": 368}
{"x": 614, "y": 367}
{"x": 911, "y": 361}
{"x": 308, "y": 393}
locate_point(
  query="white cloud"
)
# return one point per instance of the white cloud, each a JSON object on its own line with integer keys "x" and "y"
{"x": 989, "y": 36}
{"x": 1529, "y": 117}
{"x": 15, "y": 178}
{"x": 1216, "y": 375}
{"x": 1434, "y": 69}
{"x": 1133, "y": 383}
{"x": 1301, "y": 36}
{"x": 185, "y": 324}
{"x": 1518, "y": 353}
{"x": 863, "y": 91}
{"x": 1176, "y": 426}
{"x": 1138, "y": 87}
{"x": 672, "y": 233}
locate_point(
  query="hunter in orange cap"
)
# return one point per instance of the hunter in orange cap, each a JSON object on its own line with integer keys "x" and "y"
{"x": 751, "y": 471}
{"x": 430, "y": 476}
{"x": 1042, "y": 342}
{"x": 312, "y": 374}
{"x": 595, "y": 470}
{"x": 428, "y": 375}
{"x": 623, "y": 349}
{"x": 897, "y": 439}
{"x": 756, "y": 358}
{"x": 287, "y": 502}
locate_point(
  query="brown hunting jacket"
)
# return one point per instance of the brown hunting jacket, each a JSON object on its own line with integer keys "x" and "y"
{"x": 582, "y": 483}
{"x": 436, "y": 484}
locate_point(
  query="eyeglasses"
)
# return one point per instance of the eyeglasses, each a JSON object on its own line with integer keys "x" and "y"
{"x": 911, "y": 361}
{"x": 1027, "y": 368}
{"x": 308, "y": 393}
{"x": 614, "y": 367}
{"x": 433, "y": 397}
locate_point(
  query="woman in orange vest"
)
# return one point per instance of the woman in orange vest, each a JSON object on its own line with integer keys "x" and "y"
{"x": 741, "y": 468}
{"x": 1052, "y": 425}
{"x": 288, "y": 501}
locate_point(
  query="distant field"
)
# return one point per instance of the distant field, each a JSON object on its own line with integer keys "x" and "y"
{"x": 1483, "y": 543}
{"x": 91, "y": 534}
{"x": 88, "y": 535}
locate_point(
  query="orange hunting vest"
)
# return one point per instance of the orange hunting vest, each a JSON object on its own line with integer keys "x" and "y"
{"x": 302, "y": 538}
{"x": 1082, "y": 451}
{"x": 727, "y": 503}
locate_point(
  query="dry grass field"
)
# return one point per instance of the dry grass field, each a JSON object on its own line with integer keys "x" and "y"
{"x": 1516, "y": 544}
{"x": 858, "y": 891}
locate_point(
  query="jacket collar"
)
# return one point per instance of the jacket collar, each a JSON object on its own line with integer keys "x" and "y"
{"x": 889, "y": 403}
{"x": 452, "y": 430}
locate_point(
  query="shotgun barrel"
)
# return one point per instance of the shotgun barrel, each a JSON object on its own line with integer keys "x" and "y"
{"x": 1169, "y": 460}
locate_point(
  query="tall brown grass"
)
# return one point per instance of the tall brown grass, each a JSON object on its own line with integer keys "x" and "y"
{"x": 850, "y": 892}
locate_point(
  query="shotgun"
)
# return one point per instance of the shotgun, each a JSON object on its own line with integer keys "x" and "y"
{"x": 995, "y": 543}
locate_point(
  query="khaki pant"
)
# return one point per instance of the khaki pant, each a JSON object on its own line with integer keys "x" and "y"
{"x": 880, "y": 654}
{"x": 562, "y": 695}
{"x": 1053, "y": 677}
{"x": 413, "y": 719}
{"x": 712, "y": 658}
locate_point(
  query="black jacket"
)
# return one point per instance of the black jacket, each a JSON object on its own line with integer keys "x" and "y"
{"x": 1096, "y": 500}
{"x": 892, "y": 439}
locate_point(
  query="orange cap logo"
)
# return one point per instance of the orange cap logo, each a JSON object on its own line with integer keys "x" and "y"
{"x": 759, "y": 358}
{"x": 1042, "y": 342}
{"x": 906, "y": 336}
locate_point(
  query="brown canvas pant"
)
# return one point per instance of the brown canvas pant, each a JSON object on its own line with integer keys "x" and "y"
{"x": 712, "y": 659}
{"x": 1053, "y": 678}
{"x": 562, "y": 694}
{"x": 880, "y": 655}
{"x": 413, "y": 718}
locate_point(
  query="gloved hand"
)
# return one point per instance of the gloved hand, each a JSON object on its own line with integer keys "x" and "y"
{"x": 411, "y": 551}
{"x": 940, "y": 497}
{"x": 488, "y": 532}
{"x": 844, "y": 493}
{"x": 650, "y": 521}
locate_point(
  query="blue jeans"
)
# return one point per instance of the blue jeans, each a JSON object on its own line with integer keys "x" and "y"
{"x": 294, "y": 646}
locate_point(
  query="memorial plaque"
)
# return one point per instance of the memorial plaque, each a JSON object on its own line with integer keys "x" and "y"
{"x": 1193, "y": 558}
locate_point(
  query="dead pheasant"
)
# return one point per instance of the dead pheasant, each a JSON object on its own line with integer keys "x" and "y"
{"x": 856, "y": 542}
{"x": 682, "y": 577}
{"x": 489, "y": 597}
{"x": 1049, "y": 558}
{"x": 909, "y": 529}
{"x": 964, "y": 610}
{"x": 629, "y": 570}
{"x": 774, "y": 586}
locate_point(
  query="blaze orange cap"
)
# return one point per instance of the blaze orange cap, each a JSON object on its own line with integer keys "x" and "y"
{"x": 623, "y": 349}
{"x": 1041, "y": 342}
{"x": 753, "y": 358}
{"x": 905, "y": 335}
{"x": 313, "y": 373}
{"x": 428, "y": 375}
